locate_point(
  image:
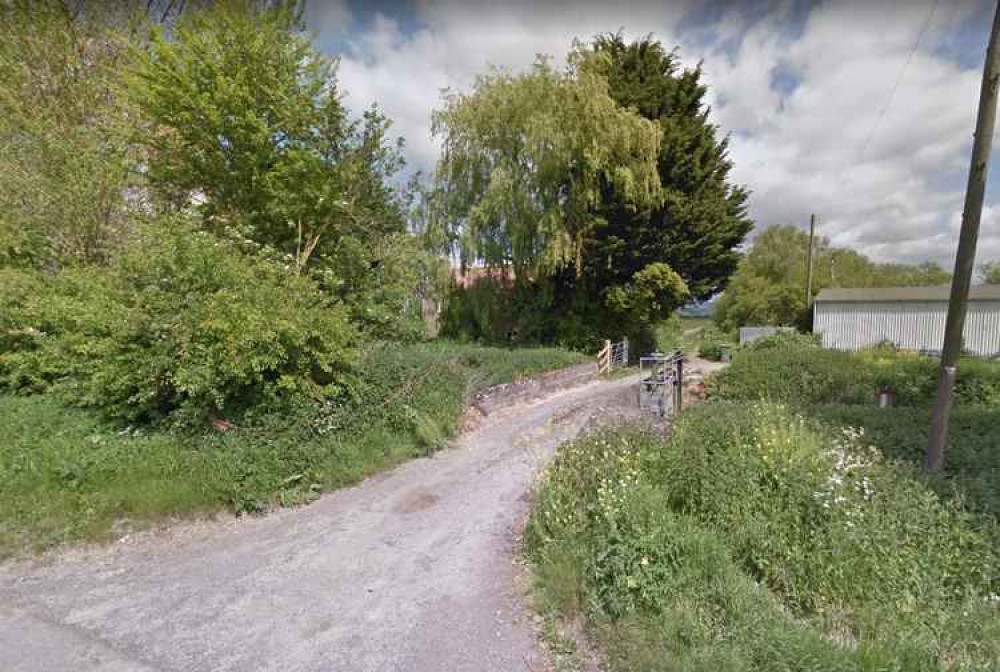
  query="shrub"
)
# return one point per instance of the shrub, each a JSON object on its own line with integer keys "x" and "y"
{"x": 789, "y": 368}
{"x": 480, "y": 312}
{"x": 784, "y": 339}
{"x": 669, "y": 334}
{"x": 793, "y": 374}
{"x": 972, "y": 466}
{"x": 710, "y": 351}
{"x": 181, "y": 327}
{"x": 707, "y": 342}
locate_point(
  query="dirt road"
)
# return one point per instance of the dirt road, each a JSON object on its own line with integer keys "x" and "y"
{"x": 412, "y": 570}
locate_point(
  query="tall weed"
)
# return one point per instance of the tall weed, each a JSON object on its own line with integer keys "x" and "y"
{"x": 754, "y": 539}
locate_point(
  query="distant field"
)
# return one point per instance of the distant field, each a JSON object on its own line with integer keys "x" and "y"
{"x": 690, "y": 334}
{"x": 689, "y": 324}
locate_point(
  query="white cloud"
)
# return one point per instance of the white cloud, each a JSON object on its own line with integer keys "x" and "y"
{"x": 800, "y": 153}
{"x": 405, "y": 74}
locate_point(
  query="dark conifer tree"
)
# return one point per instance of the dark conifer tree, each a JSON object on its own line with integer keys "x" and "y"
{"x": 702, "y": 218}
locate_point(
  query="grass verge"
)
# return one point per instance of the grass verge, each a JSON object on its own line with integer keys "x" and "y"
{"x": 65, "y": 476}
{"x": 785, "y": 525}
{"x": 756, "y": 539}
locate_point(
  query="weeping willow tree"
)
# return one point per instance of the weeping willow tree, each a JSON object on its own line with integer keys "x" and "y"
{"x": 529, "y": 162}
{"x": 528, "y": 157}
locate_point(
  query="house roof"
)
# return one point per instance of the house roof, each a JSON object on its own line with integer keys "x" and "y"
{"x": 937, "y": 293}
{"x": 473, "y": 274}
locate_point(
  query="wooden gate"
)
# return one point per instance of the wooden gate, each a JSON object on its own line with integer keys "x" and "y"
{"x": 612, "y": 355}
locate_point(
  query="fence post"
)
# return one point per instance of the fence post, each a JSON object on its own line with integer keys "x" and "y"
{"x": 604, "y": 356}
{"x": 625, "y": 351}
{"x": 679, "y": 382}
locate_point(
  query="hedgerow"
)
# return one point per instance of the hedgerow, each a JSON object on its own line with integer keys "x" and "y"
{"x": 180, "y": 328}
{"x": 793, "y": 369}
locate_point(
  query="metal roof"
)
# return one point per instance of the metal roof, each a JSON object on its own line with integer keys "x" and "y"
{"x": 937, "y": 293}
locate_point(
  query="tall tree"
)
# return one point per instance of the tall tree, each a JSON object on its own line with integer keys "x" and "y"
{"x": 66, "y": 158}
{"x": 528, "y": 162}
{"x": 700, "y": 219}
{"x": 991, "y": 273}
{"x": 767, "y": 289}
{"x": 249, "y": 128}
{"x": 527, "y": 157}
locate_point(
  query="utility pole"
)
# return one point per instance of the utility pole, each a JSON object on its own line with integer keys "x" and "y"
{"x": 965, "y": 258}
{"x": 809, "y": 262}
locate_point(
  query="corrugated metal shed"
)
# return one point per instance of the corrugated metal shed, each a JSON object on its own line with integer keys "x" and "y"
{"x": 935, "y": 293}
{"x": 911, "y": 317}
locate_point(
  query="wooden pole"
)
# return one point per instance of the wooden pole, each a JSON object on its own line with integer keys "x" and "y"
{"x": 809, "y": 261}
{"x": 679, "y": 385}
{"x": 966, "y": 255}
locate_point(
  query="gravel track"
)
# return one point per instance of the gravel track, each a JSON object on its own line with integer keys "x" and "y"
{"x": 411, "y": 570}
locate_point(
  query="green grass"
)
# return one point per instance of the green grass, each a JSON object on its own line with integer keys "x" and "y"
{"x": 754, "y": 539}
{"x": 779, "y": 528}
{"x": 67, "y": 477}
{"x": 972, "y": 464}
{"x": 692, "y": 335}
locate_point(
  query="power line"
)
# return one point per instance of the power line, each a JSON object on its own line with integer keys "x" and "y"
{"x": 899, "y": 79}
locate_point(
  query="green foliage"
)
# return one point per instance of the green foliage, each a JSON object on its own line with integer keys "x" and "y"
{"x": 712, "y": 351}
{"x": 521, "y": 185}
{"x": 525, "y": 160}
{"x": 248, "y": 127}
{"x": 66, "y": 476}
{"x": 793, "y": 369}
{"x": 181, "y": 327}
{"x": 700, "y": 219}
{"x": 670, "y": 333}
{"x": 972, "y": 468}
{"x": 707, "y": 342}
{"x": 786, "y": 339}
{"x": 754, "y": 539}
{"x": 607, "y": 241}
{"x": 769, "y": 285}
{"x": 650, "y": 294}
{"x": 482, "y": 312}
{"x": 991, "y": 273}
{"x": 65, "y": 151}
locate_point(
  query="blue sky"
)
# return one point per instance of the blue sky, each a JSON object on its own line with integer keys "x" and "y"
{"x": 802, "y": 87}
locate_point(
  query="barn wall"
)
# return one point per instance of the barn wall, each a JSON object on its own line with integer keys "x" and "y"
{"x": 912, "y": 325}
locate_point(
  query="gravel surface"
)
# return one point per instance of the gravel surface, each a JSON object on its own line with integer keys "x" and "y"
{"x": 412, "y": 570}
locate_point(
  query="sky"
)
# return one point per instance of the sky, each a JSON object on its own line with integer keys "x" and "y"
{"x": 860, "y": 112}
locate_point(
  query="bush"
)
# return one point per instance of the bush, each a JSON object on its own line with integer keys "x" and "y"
{"x": 710, "y": 351}
{"x": 670, "y": 334}
{"x": 181, "y": 327}
{"x": 752, "y": 539}
{"x": 795, "y": 374}
{"x": 480, "y": 312}
{"x": 784, "y": 339}
{"x": 702, "y": 338}
{"x": 790, "y": 368}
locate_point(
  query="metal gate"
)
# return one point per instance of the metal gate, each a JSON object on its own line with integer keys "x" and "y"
{"x": 661, "y": 378}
